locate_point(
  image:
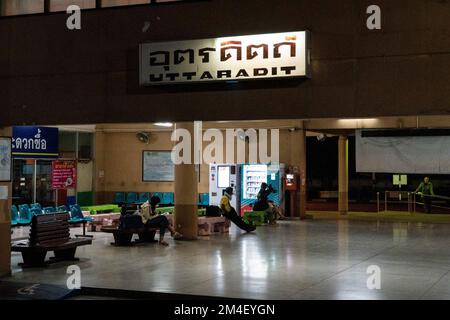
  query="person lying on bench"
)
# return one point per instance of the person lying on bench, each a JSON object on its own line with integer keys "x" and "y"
{"x": 230, "y": 213}
{"x": 153, "y": 220}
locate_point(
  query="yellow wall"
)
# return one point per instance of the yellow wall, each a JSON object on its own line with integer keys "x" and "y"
{"x": 118, "y": 158}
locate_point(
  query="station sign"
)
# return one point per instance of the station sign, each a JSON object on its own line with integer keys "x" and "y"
{"x": 264, "y": 56}
{"x": 35, "y": 142}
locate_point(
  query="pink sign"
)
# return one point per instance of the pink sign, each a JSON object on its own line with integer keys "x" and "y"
{"x": 64, "y": 175}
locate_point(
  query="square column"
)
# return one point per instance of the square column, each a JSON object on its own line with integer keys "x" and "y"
{"x": 186, "y": 188}
{"x": 343, "y": 175}
{"x": 298, "y": 160}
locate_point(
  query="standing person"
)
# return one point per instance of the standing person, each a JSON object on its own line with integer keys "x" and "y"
{"x": 153, "y": 220}
{"x": 230, "y": 213}
{"x": 425, "y": 189}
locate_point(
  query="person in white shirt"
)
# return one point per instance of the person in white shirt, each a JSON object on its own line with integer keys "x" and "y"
{"x": 152, "y": 219}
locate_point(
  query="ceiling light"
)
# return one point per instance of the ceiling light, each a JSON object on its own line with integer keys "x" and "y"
{"x": 164, "y": 124}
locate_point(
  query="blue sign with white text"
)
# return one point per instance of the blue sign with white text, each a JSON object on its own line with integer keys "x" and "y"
{"x": 35, "y": 142}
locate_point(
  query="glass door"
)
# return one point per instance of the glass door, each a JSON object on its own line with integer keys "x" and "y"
{"x": 23, "y": 181}
{"x": 44, "y": 192}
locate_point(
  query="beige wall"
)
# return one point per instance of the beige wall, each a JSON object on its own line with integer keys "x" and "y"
{"x": 118, "y": 162}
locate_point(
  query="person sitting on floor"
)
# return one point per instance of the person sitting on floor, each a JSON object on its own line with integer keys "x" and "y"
{"x": 273, "y": 213}
{"x": 153, "y": 220}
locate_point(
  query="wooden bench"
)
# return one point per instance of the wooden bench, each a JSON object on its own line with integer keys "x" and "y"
{"x": 123, "y": 237}
{"x": 103, "y": 220}
{"x": 49, "y": 232}
{"x": 210, "y": 225}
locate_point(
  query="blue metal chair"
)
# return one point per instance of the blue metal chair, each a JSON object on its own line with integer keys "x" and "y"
{"x": 158, "y": 194}
{"x": 132, "y": 197}
{"x": 62, "y": 209}
{"x": 144, "y": 197}
{"x": 119, "y": 197}
{"x": 35, "y": 211}
{"x": 49, "y": 210}
{"x": 14, "y": 215}
{"x": 24, "y": 215}
{"x": 167, "y": 198}
{"x": 36, "y": 205}
{"x": 76, "y": 217}
{"x": 204, "y": 199}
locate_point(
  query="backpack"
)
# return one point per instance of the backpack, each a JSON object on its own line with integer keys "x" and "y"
{"x": 213, "y": 211}
{"x": 130, "y": 221}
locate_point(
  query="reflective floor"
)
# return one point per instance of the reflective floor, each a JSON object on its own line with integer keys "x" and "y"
{"x": 293, "y": 260}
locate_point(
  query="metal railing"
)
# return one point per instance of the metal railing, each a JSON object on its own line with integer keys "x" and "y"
{"x": 400, "y": 195}
{"x": 411, "y": 200}
{"x": 441, "y": 199}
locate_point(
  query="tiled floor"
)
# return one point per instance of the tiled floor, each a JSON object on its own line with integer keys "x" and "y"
{"x": 293, "y": 260}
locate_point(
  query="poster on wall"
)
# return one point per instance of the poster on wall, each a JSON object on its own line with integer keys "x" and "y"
{"x": 5, "y": 159}
{"x": 64, "y": 174}
{"x": 157, "y": 166}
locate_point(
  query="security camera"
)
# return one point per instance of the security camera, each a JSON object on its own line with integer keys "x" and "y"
{"x": 321, "y": 137}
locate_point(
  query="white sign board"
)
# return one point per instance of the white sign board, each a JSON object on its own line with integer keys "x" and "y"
{"x": 3, "y": 193}
{"x": 264, "y": 56}
{"x": 400, "y": 180}
{"x": 5, "y": 159}
{"x": 223, "y": 177}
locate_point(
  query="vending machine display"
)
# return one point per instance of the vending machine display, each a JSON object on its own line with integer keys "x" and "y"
{"x": 222, "y": 176}
{"x": 253, "y": 176}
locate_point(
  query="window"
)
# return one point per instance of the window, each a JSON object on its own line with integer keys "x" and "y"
{"x": 21, "y": 7}
{"x": 61, "y": 5}
{"x": 115, "y": 3}
{"x": 18, "y": 7}
{"x": 67, "y": 144}
{"x": 85, "y": 141}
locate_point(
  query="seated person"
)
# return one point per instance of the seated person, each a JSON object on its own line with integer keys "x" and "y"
{"x": 153, "y": 220}
{"x": 263, "y": 203}
{"x": 273, "y": 213}
{"x": 230, "y": 213}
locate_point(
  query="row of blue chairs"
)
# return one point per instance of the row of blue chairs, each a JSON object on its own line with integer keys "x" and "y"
{"x": 167, "y": 198}
{"x": 24, "y": 214}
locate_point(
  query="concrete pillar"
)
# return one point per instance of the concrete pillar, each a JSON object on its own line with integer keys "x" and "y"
{"x": 5, "y": 221}
{"x": 343, "y": 175}
{"x": 186, "y": 192}
{"x": 99, "y": 167}
{"x": 298, "y": 160}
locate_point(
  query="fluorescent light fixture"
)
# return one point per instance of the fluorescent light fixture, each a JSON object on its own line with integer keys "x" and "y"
{"x": 164, "y": 124}
{"x": 356, "y": 120}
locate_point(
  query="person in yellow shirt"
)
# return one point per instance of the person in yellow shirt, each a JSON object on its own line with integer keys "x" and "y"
{"x": 151, "y": 219}
{"x": 230, "y": 213}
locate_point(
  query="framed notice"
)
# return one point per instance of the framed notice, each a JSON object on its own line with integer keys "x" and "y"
{"x": 64, "y": 174}
{"x": 5, "y": 159}
{"x": 157, "y": 166}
